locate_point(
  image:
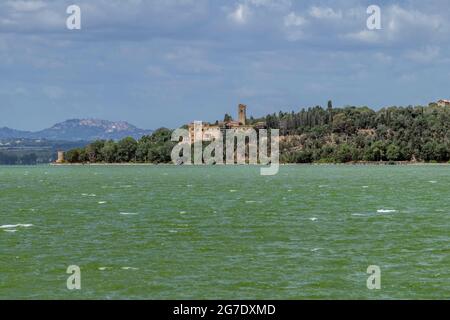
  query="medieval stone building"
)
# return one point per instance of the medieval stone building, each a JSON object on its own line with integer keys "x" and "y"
{"x": 210, "y": 131}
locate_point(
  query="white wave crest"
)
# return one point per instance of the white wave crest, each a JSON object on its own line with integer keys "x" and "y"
{"x": 386, "y": 211}
{"x": 12, "y": 226}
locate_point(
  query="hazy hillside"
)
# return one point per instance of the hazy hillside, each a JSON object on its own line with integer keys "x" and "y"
{"x": 80, "y": 130}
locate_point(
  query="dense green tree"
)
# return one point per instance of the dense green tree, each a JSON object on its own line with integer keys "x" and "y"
{"x": 341, "y": 123}
{"x": 344, "y": 153}
{"x": 156, "y": 148}
{"x": 73, "y": 156}
{"x": 93, "y": 151}
{"x": 393, "y": 153}
{"x": 109, "y": 151}
{"x": 126, "y": 150}
{"x": 227, "y": 117}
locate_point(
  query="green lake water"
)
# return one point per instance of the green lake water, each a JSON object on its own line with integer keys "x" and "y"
{"x": 167, "y": 232}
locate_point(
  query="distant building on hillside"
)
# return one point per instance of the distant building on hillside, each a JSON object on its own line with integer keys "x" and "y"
{"x": 210, "y": 131}
{"x": 443, "y": 103}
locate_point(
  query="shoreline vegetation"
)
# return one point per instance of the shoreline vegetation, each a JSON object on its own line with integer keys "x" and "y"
{"x": 373, "y": 163}
{"x": 355, "y": 135}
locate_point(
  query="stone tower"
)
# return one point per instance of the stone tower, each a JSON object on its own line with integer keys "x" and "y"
{"x": 60, "y": 157}
{"x": 242, "y": 114}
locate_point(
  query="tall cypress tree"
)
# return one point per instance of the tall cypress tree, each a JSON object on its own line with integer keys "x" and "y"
{"x": 330, "y": 112}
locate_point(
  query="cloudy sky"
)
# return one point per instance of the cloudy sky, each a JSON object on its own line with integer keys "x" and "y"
{"x": 166, "y": 62}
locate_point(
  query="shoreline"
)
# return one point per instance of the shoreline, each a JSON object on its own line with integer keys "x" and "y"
{"x": 374, "y": 163}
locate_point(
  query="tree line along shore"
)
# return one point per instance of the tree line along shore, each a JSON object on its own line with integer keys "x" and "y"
{"x": 314, "y": 135}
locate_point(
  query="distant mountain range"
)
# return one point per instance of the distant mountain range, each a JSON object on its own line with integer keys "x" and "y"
{"x": 79, "y": 130}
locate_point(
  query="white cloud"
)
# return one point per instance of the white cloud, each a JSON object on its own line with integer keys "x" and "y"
{"x": 324, "y": 13}
{"x": 240, "y": 14}
{"x": 424, "y": 55}
{"x": 413, "y": 26}
{"x": 401, "y": 27}
{"x": 271, "y": 4}
{"x": 26, "y": 6}
{"x": 367, "y": 36}
{"x": 25, "y": 16}
{"x": 400, "y": 19}
{"x": 190, "y": 60}
{"x": 294, "y": 20}
{"x": 294, "y": 26}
